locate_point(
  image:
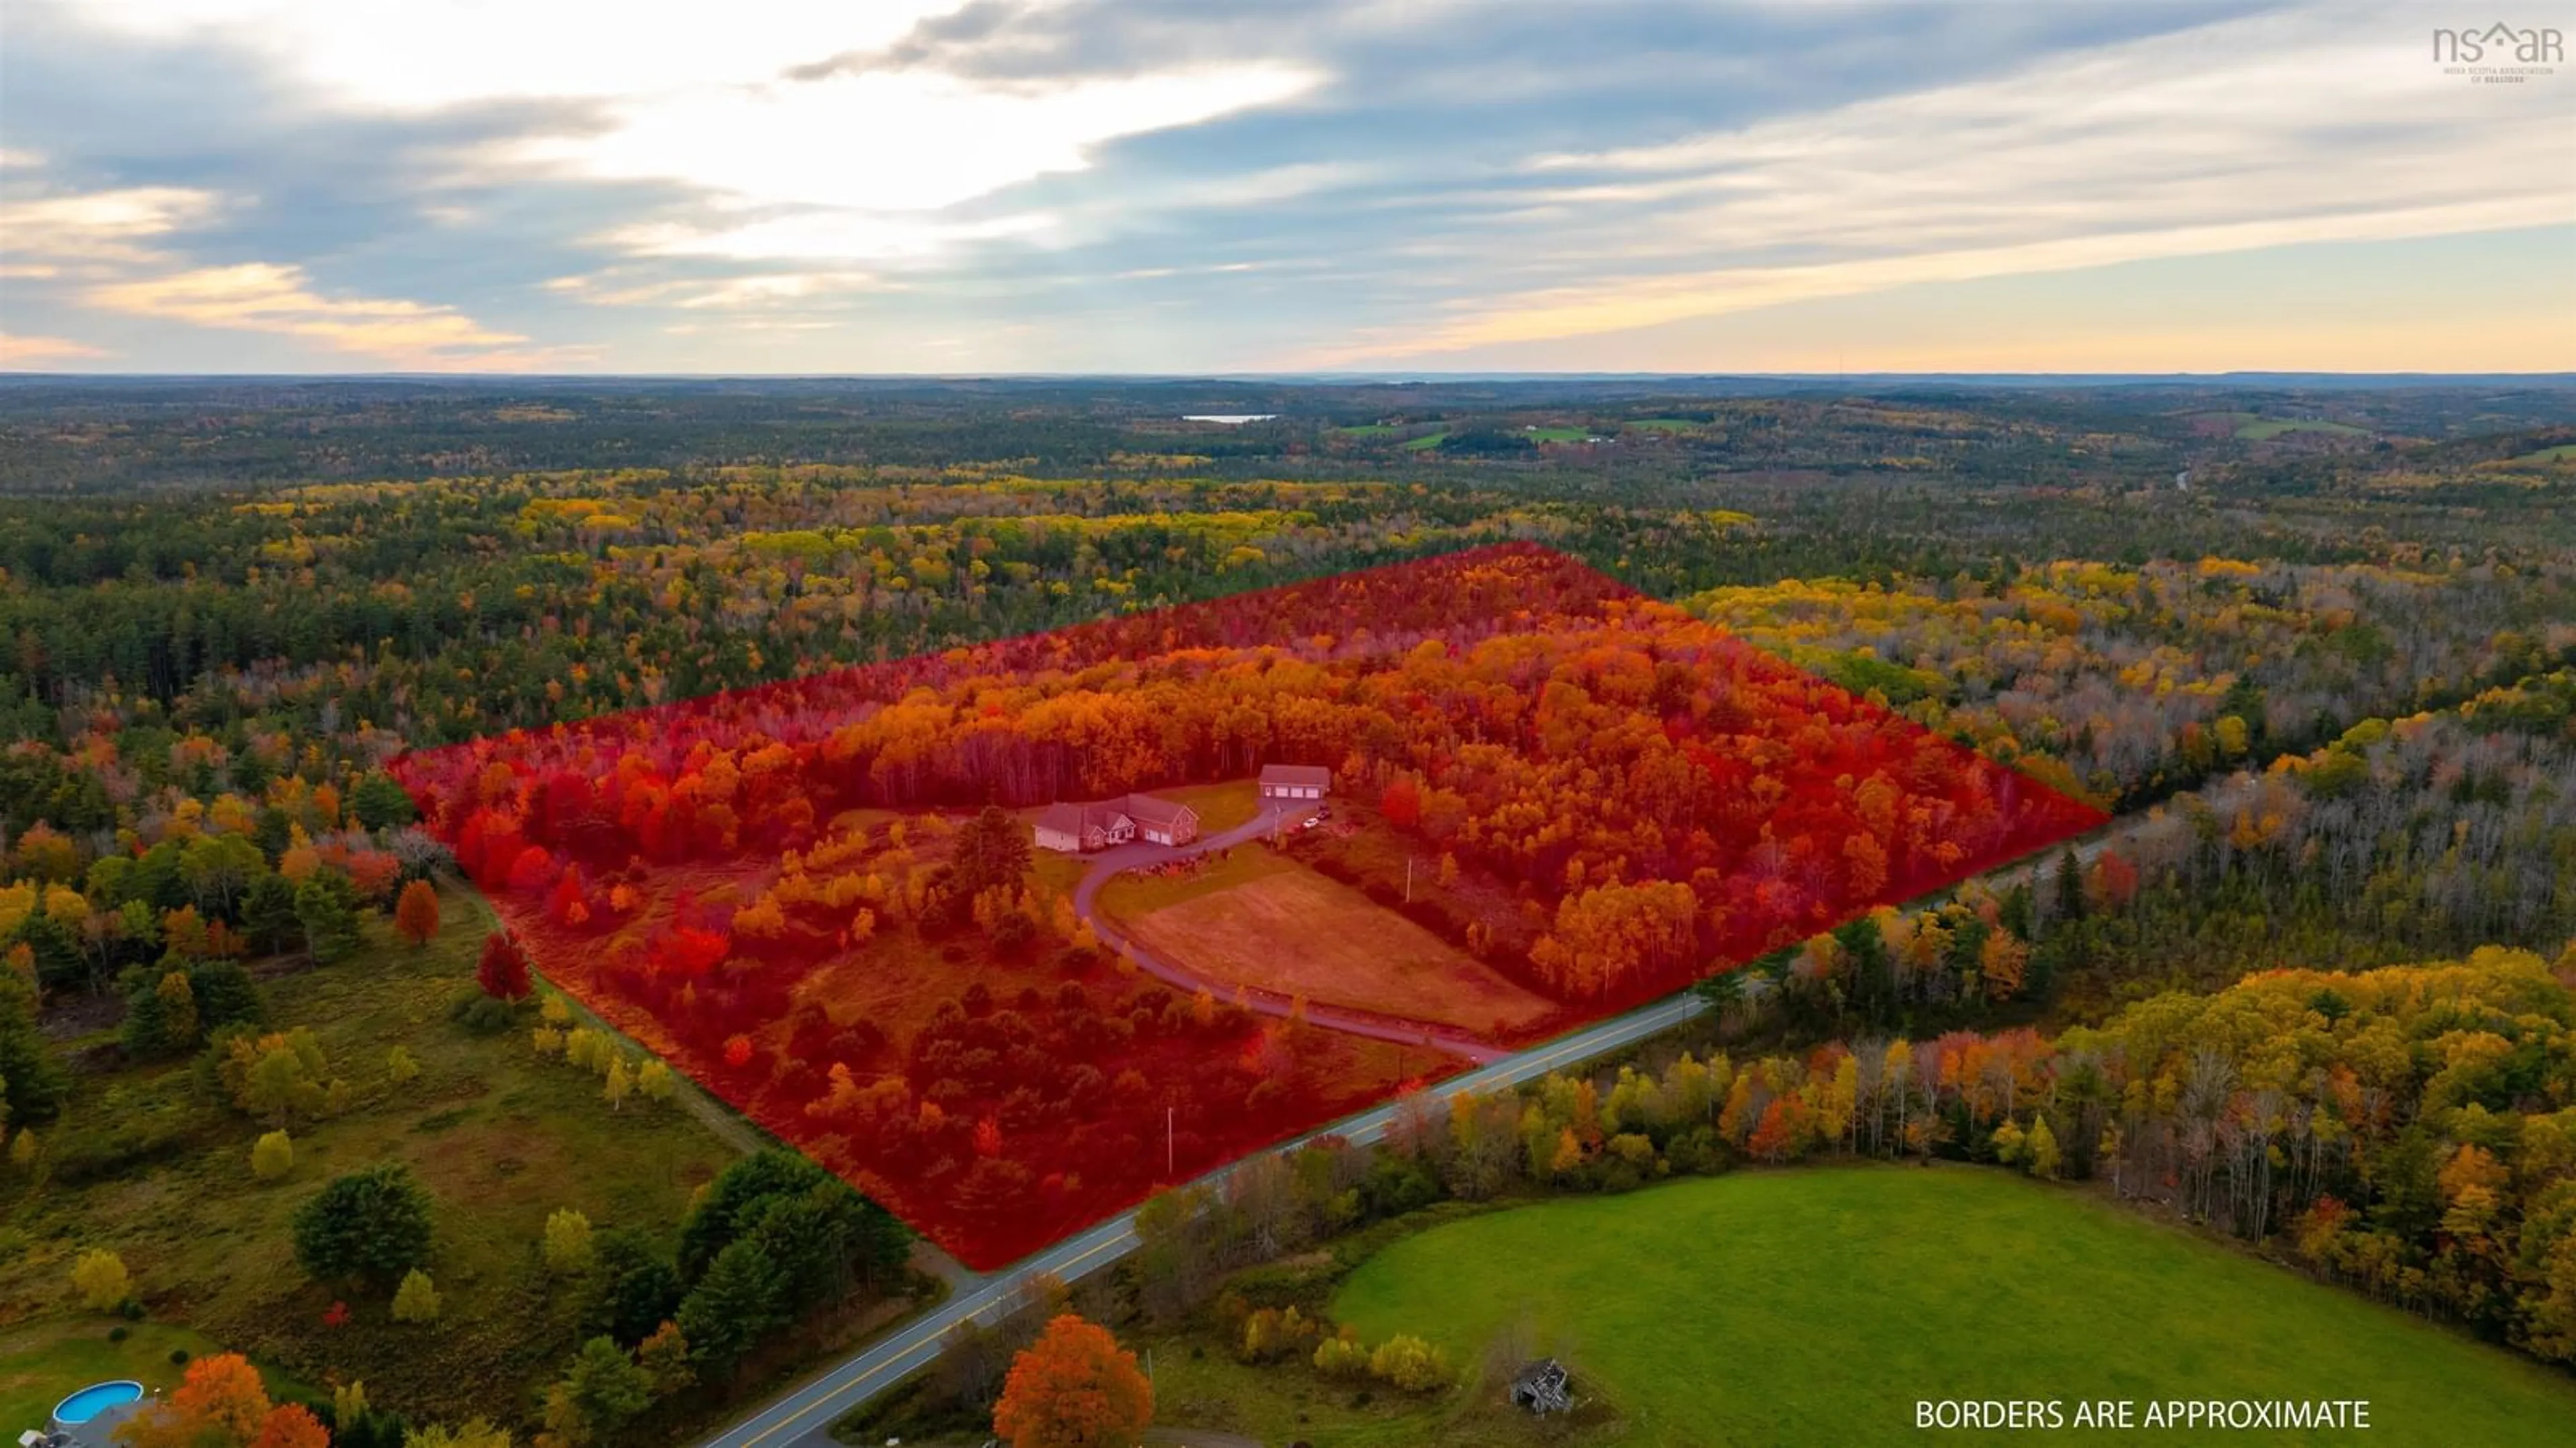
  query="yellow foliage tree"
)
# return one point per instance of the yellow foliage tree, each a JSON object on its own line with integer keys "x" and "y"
{"x": 568, "y": 1250}
{"x": 272, "y": 1156}
{"x": 417, "y": 1299}
{"x": 99, "y": 1276}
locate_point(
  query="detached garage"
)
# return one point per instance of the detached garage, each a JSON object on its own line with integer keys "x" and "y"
{"x": 1295, "y": 781}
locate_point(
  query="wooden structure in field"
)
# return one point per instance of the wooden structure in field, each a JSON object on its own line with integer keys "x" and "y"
{"x": 1543, "y": 1387}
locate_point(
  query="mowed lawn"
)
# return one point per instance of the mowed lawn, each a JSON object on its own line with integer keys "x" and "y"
{"x": 1816, "y": 1306}
{"x": 1221, "y": 806}
{"x": 1262, "y": 920}
{"x": 41, "y": 1363}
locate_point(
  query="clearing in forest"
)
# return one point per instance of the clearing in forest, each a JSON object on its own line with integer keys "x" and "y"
{"x": 1694, "y": 1307}
{"x": 793, "y": 892}
{"x": 1262, "y": 921}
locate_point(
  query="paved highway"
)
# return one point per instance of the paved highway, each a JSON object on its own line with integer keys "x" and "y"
{"x": 804, "y": 1417}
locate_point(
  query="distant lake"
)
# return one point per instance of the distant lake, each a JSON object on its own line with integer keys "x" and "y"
{"x": 1230, "y": 419}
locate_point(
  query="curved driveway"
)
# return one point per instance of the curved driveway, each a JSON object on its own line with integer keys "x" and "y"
{"x": 1400, "y": 1029}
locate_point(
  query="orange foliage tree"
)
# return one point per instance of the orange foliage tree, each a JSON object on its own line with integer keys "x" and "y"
{"x": 221, "y": 1403}
{"x": 416, "y": 916}
{"x": 291, "y": 1425}
{"x": 1075, "y": 1387}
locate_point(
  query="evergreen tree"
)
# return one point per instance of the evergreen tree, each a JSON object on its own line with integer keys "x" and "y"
{"x": 606, "y": 1386}
{"x": 36, "y": 1083}
{"x": 733, "y": 1305}
{"x": 992, "y": 850}
{"x": 225, "y": 995}
{"x": 61, "y": 964}
{"x": 369, "y": 1226}
{"x": 636, "y": 1289}
{"x": 273, "y": 830}
{"x": 382, "y": 804}
{"x": 269, "y": 917}
{"x": 326, "y": 905}
{"x": 2070, "y": 889}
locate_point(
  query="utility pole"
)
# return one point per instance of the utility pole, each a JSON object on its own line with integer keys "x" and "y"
{"x": 1408, "y": 879}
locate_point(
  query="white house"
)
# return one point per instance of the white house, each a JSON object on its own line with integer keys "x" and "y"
{"x": 1083, "y": 828}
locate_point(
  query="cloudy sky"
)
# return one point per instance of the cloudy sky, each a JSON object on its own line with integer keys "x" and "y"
{"x": 1201, "y": 185}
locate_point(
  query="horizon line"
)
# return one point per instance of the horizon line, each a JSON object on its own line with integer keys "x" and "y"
{"x": 9, "y": 375}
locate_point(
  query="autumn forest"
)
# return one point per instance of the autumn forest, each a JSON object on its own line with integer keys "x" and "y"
{"x": 529, "y": 916}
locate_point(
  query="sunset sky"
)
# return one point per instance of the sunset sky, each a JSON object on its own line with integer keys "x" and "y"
{"x": 1349, "y": 185}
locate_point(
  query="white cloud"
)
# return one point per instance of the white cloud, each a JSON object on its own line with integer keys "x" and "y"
{"x": 835, "y": 235}
{"x": 261, "y": 297}
{"x": 2328, "y": 124}
{"x": 904, "y": 141}
{"x": 621, "y": 287}
{"x": 701, "y": 99}
{"x": 857, "y": 167}
{"x": 24, "y": 351}
{"x": 98, "y": 227}
{"x": 116, "y": 250}
{"x": 421, "y": 54}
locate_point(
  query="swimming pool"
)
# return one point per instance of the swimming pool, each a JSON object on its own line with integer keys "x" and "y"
{"x": 95, "y": 1399}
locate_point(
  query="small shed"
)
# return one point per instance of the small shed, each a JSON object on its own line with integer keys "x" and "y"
{"x": 1543, "y": 1387}
{"x": 1295, "y": 781}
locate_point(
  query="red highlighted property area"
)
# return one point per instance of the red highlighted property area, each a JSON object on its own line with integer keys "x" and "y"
{"x": 1250, "y": 865}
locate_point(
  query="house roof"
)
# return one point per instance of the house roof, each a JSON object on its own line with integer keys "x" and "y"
{"x": 1145, "y": 809}
{"x": 1312, "y": 776}
{"x": 1074, "y": 819}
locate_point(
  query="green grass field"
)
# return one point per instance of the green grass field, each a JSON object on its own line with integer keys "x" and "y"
{"x": 1664, "y": 424}
{"x": 2263, "y": 429}
{"x": 150, "y": 1165}
{"x": 42, "y": 1362}
{"x": 1556, "y": 434}
{"x": 1817, "y": 1306}
{"x": 1369, "y": 429}
{"x": 1426, "y": 442}
{"x": 1221, "y": 806}
{"x": 2563, "y": 453}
